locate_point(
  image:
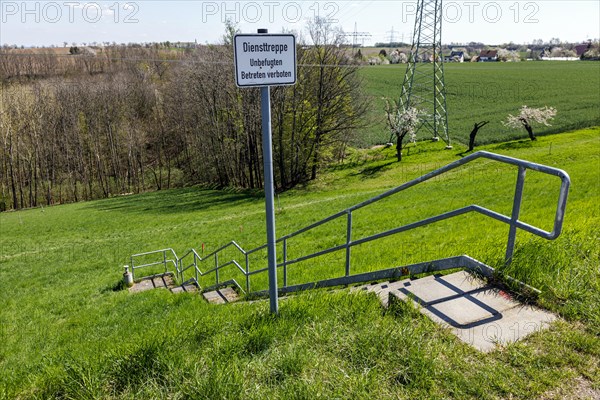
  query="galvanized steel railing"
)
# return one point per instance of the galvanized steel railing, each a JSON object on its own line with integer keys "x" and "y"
{"x": 165, "y": 260}
{"x": 194, "y": 260}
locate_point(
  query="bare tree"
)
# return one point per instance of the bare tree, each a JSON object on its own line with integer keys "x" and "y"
{"x": 129, "y": 119}
{"x": 336, "y": 97}
{"x": 476, "y": 128}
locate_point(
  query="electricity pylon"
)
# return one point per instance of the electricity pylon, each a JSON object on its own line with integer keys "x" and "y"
{"x": 355, "y": 36}
{"x": 423, "y": 85}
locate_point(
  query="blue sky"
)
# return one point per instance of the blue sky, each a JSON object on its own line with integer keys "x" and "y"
{"x": 491, "y": 22}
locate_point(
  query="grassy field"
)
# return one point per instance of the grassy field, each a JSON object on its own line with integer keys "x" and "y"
{"x": 67, "y": 332}
{"x": 490, "y": 91}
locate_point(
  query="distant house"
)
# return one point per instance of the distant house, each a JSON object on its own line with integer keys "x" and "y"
{"x": 582, "y": 48}
{"x": 185, "y": 45}
{"x": 545, "y": 53}
{"x": 488, "y": 55}
{"x": 455, "y": 56}
{"x": 458, "y": 55}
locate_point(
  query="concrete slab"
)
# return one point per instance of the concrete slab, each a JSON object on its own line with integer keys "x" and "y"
{"x": 191, "y": 288}
{"x": 515, "y": 324}
{"x": 384, "y": 294}
{"x": 166, "y": 281}
{"x": 214, "y": 297}
{"x": 461, "y": 312}
{"x": 368, "y": 287}
{"x": 463, "y": 281}
{"x": 478, "y": 314}
{"x": 230, "y": 295}
{"x": 142, "y": 286}
{"x": 496, "y": 299}
{"x": 178, "y": 289}
{"x": 438, "y": 288}
{"x": 151, "y": 283}
{"x": 382, "y": 290}
{"x": 221, "y": 296}
{"x": 158, "y": 282}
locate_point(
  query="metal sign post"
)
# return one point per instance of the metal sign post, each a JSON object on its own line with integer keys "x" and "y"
{"x": 269, "y": 195}
{"x": 263, "y": 61}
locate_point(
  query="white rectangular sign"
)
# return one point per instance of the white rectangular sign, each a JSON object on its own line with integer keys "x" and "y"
{"x": 265, "y": 60}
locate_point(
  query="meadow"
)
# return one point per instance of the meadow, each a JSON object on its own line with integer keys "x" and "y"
{"x": 67, "y": 331}
{"x": 490, "y": 91}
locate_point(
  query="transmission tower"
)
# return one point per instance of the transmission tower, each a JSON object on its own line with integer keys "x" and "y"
{"x": 423, "y": 85}
{"x": 392, "y": 36}
{"x": 356, "y": 35}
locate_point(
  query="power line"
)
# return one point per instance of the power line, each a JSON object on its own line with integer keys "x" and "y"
{"x": 355, "y": 35}
{"x": 351, "y": 12}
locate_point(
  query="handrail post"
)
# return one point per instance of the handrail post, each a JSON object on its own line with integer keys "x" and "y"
{"x": 247, "y": 273}
{"x": 348, "y": 241}
{"x": 285, "y": 262}
{"x": 516, "y": 212}
{"x": 132, "y": 269}
{"x": 181, "y": 277}
{"x": 217, "y": 268}
{"x": 165, "y": 260}
{"x": 196, "y": 267}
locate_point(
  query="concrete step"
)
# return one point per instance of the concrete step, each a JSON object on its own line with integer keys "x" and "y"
{"x": 477, "y": 313}
{"x": 221, "y": 296}
{"x": 153, "y": 282}
{"x": 382, "y": 290}
{"x": 165, "y": 281}
{"x": 185, "y": 289}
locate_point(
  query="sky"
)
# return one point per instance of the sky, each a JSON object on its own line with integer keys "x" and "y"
{"x": 37, "y": 23}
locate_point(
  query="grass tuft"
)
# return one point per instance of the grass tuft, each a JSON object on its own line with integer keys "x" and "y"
{"x": 129, "y": 371}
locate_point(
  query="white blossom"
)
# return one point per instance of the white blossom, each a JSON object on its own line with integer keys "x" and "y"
{"x": 407, "y": 121}
{"x": 530, "y": 115}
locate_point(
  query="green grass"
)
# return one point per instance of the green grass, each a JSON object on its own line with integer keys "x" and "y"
{"x": 65, "y": 332}
{"x": 490, "y": 91}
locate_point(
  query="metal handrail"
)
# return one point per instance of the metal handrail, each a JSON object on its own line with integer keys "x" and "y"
{"x": 512, "y": 220}
{"x": 165, "y": 260}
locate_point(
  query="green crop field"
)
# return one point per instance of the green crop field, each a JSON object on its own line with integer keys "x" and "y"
{"x": 67, "y": 331}
{"x": 490, "y": 91}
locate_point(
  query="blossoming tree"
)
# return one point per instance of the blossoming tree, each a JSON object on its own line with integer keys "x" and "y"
{"x": 403, "y": 123}
{"x": 529, "y": 116}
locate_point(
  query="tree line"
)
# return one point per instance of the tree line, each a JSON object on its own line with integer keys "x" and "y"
{"x": 130, "y": 119}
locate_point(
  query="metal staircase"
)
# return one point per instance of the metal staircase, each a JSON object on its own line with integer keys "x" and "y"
{"x": 192, "y": 268}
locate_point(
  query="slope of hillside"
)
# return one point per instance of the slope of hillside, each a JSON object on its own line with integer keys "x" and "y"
{"x": 66, "y": 331}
